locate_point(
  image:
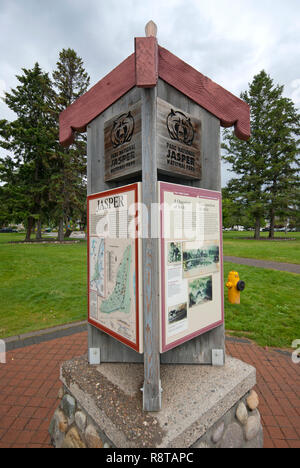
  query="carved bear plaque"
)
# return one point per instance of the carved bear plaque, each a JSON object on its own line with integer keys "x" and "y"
{"x": 122, "y": 144}
{"x": 178, "y": 142}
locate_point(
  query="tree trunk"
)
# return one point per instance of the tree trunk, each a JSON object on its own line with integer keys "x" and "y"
{"x": 68, "y": 230}
{"x": 60, "y": 237}
{"x": 272, "y": 224}
{"x": 39, "y": 230}
{"x": 257, "y": 228}
{"x": 30, "y": 225}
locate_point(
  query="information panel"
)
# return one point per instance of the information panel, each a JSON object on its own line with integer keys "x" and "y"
{"x": 114, "y": 264}
{"x": 191, "y": 263}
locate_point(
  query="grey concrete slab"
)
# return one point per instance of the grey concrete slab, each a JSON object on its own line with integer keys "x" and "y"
{"x": 194, "y": 398}
{"x": 40, "y": 336}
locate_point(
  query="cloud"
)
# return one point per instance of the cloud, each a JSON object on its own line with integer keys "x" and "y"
{"x": 227, "y": 40}
{"x": 295, "y": 85}
{"x": 2, "y": 88}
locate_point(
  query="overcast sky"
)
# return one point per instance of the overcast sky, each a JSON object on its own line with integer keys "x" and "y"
{"x": 227, "y": 40}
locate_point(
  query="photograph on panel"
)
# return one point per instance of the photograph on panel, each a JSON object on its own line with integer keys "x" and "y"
{"x": 200, "y": 291}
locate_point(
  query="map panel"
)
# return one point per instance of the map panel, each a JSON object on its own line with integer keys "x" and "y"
{"x": 114, "y": 302}
{"x": 97, "y": 278}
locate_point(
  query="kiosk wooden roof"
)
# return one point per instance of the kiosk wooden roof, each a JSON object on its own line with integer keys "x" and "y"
{"x": 143, "y": 68}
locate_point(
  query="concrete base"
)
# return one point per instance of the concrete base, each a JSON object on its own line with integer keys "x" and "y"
{"x": 199, "y": 404}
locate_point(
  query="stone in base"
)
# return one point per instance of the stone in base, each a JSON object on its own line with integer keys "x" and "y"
{"x": 203, "y": 407}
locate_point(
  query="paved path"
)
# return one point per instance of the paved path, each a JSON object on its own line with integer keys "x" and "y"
{"x": 290, "y": 267}
{"x": 29, "y": 384}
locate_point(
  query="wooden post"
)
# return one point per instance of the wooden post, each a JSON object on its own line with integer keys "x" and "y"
{"x": 151, "y": 29}
{"x": 152, "y": 384}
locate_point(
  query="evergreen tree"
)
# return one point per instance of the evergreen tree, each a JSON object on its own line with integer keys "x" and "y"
{"x": 6, "y": 215}
{"x": 30, "y": 138}
{"x": 68, "y": 181}
{"x": 267, "y": 165}
{"x": 235, "y": 211}
{"x": 293, "y": 214}
{"x": 283, "y": 159}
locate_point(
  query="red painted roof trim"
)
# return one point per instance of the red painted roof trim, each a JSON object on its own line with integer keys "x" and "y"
{"x": 146, "y": 62}
{"x": 142, "y": 69}
{"x": 209, "y": 95}
{"x": 86, "y": 108}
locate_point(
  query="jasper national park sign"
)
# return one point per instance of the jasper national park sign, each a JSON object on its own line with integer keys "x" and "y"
{"x": 123, "y": 144}
{"x": 178, "y": 142}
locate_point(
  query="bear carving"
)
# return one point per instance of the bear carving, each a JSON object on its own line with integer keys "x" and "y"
{"x": 122, "y": 130}
{"x": 180, "y": 127}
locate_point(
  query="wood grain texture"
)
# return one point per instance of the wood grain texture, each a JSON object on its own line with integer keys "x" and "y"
{"x": 123, "y": 159}
{"x": 111, "y": 350}
{"x": 173, "y": 154}
{"x": 95, "y": 143}
{"x": 152, "y": 393}
{"x": 229, "y": 109}
{"x": 210, "y": 139}
{"x": 146, "y": 62}
{"x": 108, "y": 90}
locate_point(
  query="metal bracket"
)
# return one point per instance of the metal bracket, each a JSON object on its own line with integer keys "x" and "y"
{"x": 160, "y": 387}
{"x": 217, "y": 357}
{"x": 155, "y": 403}
{"x": 94, "y": 356}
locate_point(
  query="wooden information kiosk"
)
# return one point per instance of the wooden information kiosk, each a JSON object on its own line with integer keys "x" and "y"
{"x": 153, "y": 127}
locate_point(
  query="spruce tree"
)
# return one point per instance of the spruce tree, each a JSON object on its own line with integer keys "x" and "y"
{"x": 267, "y": 165}
{"x": 283, "y": 158}
{"x": 235, "y": 211}
{"x": 294, "y": 211}
{"x": 68, "y": 181}
{"x": 31, "y": 139}
{"x": 6, "y": 202}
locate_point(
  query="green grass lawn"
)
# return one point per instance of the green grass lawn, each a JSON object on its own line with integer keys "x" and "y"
{"x": 40, "y": 285}
{"x": 13, "y": 237}
{"x": 269, "y": 312}
{"x": 45, "y": 285}
{"x": 236, "y": 244}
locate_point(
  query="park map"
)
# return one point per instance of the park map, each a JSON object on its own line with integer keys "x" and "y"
{"x": 112, "y": 266}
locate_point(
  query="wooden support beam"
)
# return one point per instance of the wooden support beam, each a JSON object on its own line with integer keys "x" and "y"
{"x": 152, "y": 385}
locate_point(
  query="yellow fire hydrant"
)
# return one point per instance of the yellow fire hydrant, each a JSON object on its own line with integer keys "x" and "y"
{"x": 234, "y": 285}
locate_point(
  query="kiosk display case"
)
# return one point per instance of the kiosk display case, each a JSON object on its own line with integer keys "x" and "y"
{"x": 114, "y": 256}
{"x": 191, "y": 263}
